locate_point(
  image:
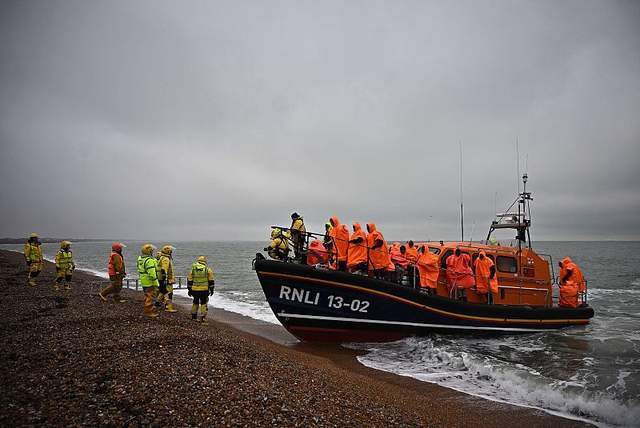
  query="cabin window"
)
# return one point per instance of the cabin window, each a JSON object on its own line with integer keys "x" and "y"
{"x": 434, "y": 250}
{"x": 507, "y": 264}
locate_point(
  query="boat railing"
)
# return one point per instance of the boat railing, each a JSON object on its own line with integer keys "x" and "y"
{"x": 134, "y": 282}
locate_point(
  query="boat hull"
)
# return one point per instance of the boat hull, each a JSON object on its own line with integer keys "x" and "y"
{"x": 329, "y": 306}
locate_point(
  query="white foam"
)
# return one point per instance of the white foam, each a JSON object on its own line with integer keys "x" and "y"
{"x": 252, "y": 310}
{"x": 636, "y": 282}
{"x": 489, "y": 378}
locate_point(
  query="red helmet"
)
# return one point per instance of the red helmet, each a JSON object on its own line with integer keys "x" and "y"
{"x": 117, "y": 247}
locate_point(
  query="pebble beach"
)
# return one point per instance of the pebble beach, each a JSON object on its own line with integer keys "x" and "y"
{"x": 71, "y": 360}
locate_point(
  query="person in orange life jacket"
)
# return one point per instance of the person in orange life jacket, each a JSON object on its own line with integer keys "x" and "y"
{"x": 398, "y": 254}
{"x": 357, "y": 252}
{"x": 571, "y": 283}
{"x": 486, "y": 278}
{"x": 428, "y": 268}
{"x": 459, "y": 271}
{"x": 340, "y": 239}
{"x": 379, "y": 260}
{"x": 117, "y": 272}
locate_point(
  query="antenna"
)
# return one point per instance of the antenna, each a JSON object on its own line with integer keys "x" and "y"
{"x": 517, "y": 165}
{"x": 461, "y": 197}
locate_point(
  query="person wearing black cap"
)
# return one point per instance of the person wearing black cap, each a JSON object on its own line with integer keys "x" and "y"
{"x": 298, "y": 232}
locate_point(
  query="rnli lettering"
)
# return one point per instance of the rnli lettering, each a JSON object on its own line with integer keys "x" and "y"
{"x": 313, "y": 298}
{"x": 299, "y": 295}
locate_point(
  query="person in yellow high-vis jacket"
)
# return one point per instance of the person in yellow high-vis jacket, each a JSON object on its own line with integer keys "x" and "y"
{"x": 200, "y": 282}
{"x": 166, "y": 278}
{"x": 147, "y": 271}
{"x": 33, "y": 257}
{"x": 64, "y": 266}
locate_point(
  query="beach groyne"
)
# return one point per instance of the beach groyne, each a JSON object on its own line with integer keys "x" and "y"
{"x": 70, "y": 359}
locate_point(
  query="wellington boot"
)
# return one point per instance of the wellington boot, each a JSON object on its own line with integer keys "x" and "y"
{"x": 170, "y": 307}
{"x": 31, "y": 283}
{"x": 67, "y": 287}
{"x": 56, "y": 287}
{"x": 194, "y": 317}
{"x": 203, "y": 320}
{"x": 152, "y": 314}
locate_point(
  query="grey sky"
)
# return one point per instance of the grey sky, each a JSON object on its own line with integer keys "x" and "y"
{"x": 213, "y": 120}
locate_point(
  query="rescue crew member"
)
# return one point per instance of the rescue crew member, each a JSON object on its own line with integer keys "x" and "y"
{"x": 340, "y": 240}
{"x": 412, "y": 252}
{"x": 298, "y": 233}
{"x": 327, "y": 235}
{"x": 357, "y": 251}
{"x": 459, "y": 271}
{"x": 379, "y": 260}
{"x": 428, "y": 268}
{"x": 200, "y": 284}
{"x": 117, "y": 273}
{"x": 166, "y": 278}
{"x": 572, "y": 283}
{"x": 148, "y": 272}
{"x": 412, "y": 256}
{"x": 278, "y": 249}
{"x": 64, "y": 266}
{"x": 33, "y": 257}
{"x": 317, "y": 254}
{"x": 486, "y": 278}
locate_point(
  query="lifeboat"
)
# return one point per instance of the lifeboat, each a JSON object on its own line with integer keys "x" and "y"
{"x": 318, "y": 303}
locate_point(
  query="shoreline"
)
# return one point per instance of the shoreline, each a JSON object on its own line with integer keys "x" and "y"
{"x": 297, "y": 383}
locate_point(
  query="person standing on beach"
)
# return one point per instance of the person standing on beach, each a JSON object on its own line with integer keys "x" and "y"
{"x": 298, "y": 232}
{"x": 166, "y": 278}
{"x": 64, "y": 266}
{"x": 116, "y": 273}
{"x": 200, "y": 283}
{"x": 147, "y": 270}
{"x": 33, "y": 257}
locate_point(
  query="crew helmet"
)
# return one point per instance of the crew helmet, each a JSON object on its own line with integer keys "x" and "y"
{"x": 33, "y": 235}
{"x": 276, "y": 232}
{"x": 117, "y": 247}
{"x": 167, "y": 250}
{"x": 202, "y": 259}
{"x": 147, "y": 249}
{"x": 65, "y": 244}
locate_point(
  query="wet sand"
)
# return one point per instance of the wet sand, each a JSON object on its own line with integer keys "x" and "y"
{"x": 70, "y": 359}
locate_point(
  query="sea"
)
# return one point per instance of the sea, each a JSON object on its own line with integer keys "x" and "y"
{"x": 589, "y": 373}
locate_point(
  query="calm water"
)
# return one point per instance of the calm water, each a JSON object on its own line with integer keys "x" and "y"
{"x": 589, "y": 372}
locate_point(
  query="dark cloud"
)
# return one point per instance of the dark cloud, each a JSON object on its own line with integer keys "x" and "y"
{"x": 213, "y": 120}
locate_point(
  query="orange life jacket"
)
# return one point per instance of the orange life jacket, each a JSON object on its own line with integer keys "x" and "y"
{"x": 428, "y": 269}
{"x": 576, "y": 274}
{"x": 412, "y": 254}
{"x": 340, "y": 237}
{"x": 357, "y": 252}
{"x": 459, "y": 272}
{"x": 378, "y": 257}
{"x": 116, "y": 260}
{"x": 397, "y": 257}
{"x": 483, "y": 272}
{"x": 317, "y": 253}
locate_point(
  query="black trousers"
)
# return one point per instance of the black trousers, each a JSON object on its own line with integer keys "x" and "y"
{"x": 200, "y": 297}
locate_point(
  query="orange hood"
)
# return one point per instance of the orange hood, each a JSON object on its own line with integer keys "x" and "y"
{"x": 566, "y": 261}
{"x": 357, "y": 227}
{"x": 334, "y": 221}
{"x": 371, "y": 227}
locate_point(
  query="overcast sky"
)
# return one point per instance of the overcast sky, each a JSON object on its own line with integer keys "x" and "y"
{"x": 179, "y": 120}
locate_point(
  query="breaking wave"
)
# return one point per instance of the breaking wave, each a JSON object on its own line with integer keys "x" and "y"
{"x": 491, "y": 378}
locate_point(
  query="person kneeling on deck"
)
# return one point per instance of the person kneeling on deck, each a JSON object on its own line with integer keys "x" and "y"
{"x": 64, "y": 266}
{"x": 571, "y": 283}
{"x": 166, "y": 278}
{"x": 200, "y": 282}
{"x": 117, "y": 273}
{"x": 298, "y": 232}
{"x": 357, "y": 252}
{"x": 428, "y": 268}
{"x": 148, "y": 271}
{"x": 33, "y": 257}
{"x": 486, "y": 278}
{"x": 278, "y": 249}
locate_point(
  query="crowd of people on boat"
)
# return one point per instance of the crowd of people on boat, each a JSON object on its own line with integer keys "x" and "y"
{"x": 155, "y": 275}
{"x": 368, "y": 253}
